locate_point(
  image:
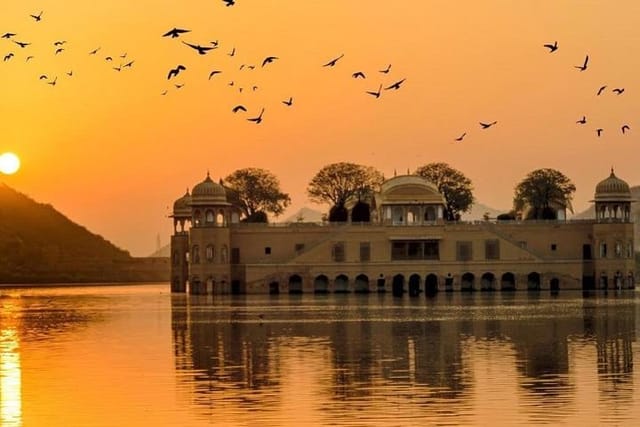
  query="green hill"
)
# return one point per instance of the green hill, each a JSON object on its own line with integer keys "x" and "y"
{"x": 40, "y": 245}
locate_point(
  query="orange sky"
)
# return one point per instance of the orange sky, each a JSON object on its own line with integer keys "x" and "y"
{"x": 106, "y": 149}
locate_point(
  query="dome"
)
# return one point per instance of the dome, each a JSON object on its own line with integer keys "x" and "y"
{"x": 612, "y": 189}
{"x": 182, "y": 206}
{"x": 208, "y": 192}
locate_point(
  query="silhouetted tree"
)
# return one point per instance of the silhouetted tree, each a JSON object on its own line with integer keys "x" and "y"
{"x": 541, "y": 190}
{"x": 339, "y": 183}
{"x": 453, "y": 185}
{"x": 257, "y": 193}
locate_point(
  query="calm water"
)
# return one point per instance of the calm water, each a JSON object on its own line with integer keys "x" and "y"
{"x": 136, "y": 355}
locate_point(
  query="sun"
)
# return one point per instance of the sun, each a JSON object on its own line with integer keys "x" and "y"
{"x": 9, "y": 163}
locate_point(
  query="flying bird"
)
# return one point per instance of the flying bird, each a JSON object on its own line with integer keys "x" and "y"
{"x": 118, "y": 68}
{"x": 396, "y": 85}
{"x": 358, "y": 74}
{"x": 202, "y": 50}
{"x": 552, "y": 47}
{"x": 28, "y": 58}
{"x": 288, "y": 102}
{"x": 129, "y": 64}
{"x": 21, "y": 44}
{"x": 582, "y": 121}
{"x": 37, "y": 17}
{"x": 375, "y": 94}
{"x": 238, "y": 108}
{"x": 599, "y": 131}
{"x": 213, "y": 73}
{"x": 584, "y": 65}
{"x": 269, "y": 60}
{"x": 233, "y": 52}
{"x": 215, "y": 43}
{"x": 163, "y": 93}
{"x": 257, "y": 120}
{"x": 229, "y": 2}
{"x": 8, "y": 56}
{"x": 8, "y": 35}
{"x": 487, "y": 125}
{"x": 332, "y": 63}
{"x": 602, "y": 88}
{"x": 43, "y": 77}
{"x": 174, "y": 72}
{"x": 94, "y": 51}
{"x": 624, "y": 128}
{"x": 59, "y": 42}
{"x": 618, "y": 91}
{"x": 386, "y": 70}
{"x": 59, "y": 50}
{"x": 53, "y": 83}
{"x": 70, "y": 73}
{"x": 461, "y": 137}
{"x": 254, "y": 88}
{"x": 179, "y": 85}
{"x": 124, "y": 55}
{"x": 175, "y": 32}
{"x": 108, "y": 58}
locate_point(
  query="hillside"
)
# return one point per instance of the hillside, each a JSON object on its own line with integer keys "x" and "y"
{"x": 40, "y": 245}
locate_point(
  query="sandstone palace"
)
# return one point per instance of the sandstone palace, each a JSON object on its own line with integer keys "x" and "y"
{"x": 405, "y": 247}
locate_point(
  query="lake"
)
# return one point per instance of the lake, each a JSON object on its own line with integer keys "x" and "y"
{"x": 138, "y": 355}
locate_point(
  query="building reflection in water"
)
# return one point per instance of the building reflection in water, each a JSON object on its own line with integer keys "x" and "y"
{"x": 10, "y": 370}
{"x": 375, "y": 356}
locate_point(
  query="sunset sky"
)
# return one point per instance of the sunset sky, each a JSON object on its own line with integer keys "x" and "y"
{"x": 109, "y": 151}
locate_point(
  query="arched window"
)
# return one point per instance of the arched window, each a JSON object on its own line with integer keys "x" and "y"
{"x": 197, "y": 218}
{"x": 430, "y": 214}
{"x": 210, "y": 253}
{"x": 195, "y": 256}
{"x": 220, "y": 219}
{"x": 209, "y": 217}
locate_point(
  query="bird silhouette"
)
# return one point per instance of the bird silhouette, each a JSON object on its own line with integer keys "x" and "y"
{"x": 28, "y": 58}
{"x": 37, "y": 17}
{"x": 233, "y": 52}
{"x": 333, "y": 62}
{"x": 59, "y": 42}
{"x": 269, "y": 60}
{"x": 582, "y": 121}
{"x": 59, "y": 50}
{"x": 624, "y": 128}
{"x": 8, "y": 35}
{"x": 202, "y": 50}
{"x": 602, "y": 88}
{"x": 584, "y": 65}
{"x": 487, "y": 125}
{"x": 179, "y": 85}
{"x": 396, "y": 85}
{"x": 129, "y": 64}
{"x": 238, "y": 108}
{"x": 53, "y": 82}
{"x": 174, "y": 72}
{"x": 118, "y": 68}
{"x": 70, "y": 73}
{"x": 43, "y": 77}
{"x": 229, "y": 2}
{"x": 108, "y": 58}
{"x": 618, "y": 91}
{"x": 461, "y": 137}
{"x": 254, "y": 88}
{"x": 123, "y": 56}
{"x": 288, "y": 102}
{"x": 21, "y": 44}
{"x": 358, "y": 74}
{"x": 257, "y": 120}
{"x": 163, "y": 93}
{"x": 552, "y": 47}
{"x": 8, "y": 56}
{"x": 375, "y": 94}
{"x": 386, "y": 70}
{"x": 175, "y": 32}
{"x": 94, "y": 51}
{"x": 215, "y": 43}
{"x": 251, "y": 67}
{"x": 599, "y": 131}
{"x": 213, "y": 73}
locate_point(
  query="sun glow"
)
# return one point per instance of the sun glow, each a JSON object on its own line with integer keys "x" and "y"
{"x": 9, "y": 163}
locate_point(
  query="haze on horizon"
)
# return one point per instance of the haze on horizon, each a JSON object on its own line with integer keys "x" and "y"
{"x": 108, "y": 150}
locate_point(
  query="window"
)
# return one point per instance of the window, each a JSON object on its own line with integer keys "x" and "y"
{"x": 196, "y": 254}
{"x": 235, "y": 255}
{"x": 209, "y": 253}
{"x": 464, "y": 251}
{"x": 431, "y": 249}
{"x": 299, "y": 247}
{"x": 415, "y": 250}
{"x": 365, "y": 251}
{"x": 618, "y": 249}
{"x": 209, "y": 217}
{"x": 492, "y": 249}
{"x": 223, "y": 254}
{"x": 197, "y": 218}
{"x": 267, "y": 250}
{"x": 337, "y": 252}
{"x": 603, "y": 250}
{"x": 630, "y": 249}
{"x": 554, "y": 246}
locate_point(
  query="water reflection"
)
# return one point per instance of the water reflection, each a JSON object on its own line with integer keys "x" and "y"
{"x": 10, "y": 371}
{"x": 365, "y": 357}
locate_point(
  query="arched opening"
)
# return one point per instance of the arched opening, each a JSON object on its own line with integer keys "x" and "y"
{"x": 488, "y": 282}
{"x": 209, "y": 217}
{"x": 274, "y": 288}
{"x": 554, "y": 285}
{"x": 295, "y": 284}
{"x": 414, "y": 285}
{"x": 431, "y": 284}
{"x": 220, "y": 219}
{"x": 361, "y": 212}
{"x": 321, "y": 284}
{"x": 381, "y": 284}
{"x": 430, "y": 213}
{"x": 341, "y": 284}
{"x": 467, "y": 282}
{"x": 361, "y": 284}
{"x": 508, "y": 282}
{"x": 398, "y": 215}
{"x": 398, "y": 285}
{"x": 338, "y": 214}
{"x": 412, "y": 218}
{"x": 533, "y": 281}
{"x": 197, "y": 218}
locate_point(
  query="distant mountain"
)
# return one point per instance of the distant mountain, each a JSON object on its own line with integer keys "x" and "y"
{"x": 163, "y": 252}
{"x": 40, "y": 245}
{"x": 478, "y": 211}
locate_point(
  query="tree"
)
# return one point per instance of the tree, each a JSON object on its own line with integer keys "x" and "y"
{"x": 257, "y": 192}
{"x": 456, "y": 188}
{"x": 542, "y": 190}
{"x": 339, "y": 183}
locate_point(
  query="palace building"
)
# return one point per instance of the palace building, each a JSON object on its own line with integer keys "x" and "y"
{"x": 399, "y": 243}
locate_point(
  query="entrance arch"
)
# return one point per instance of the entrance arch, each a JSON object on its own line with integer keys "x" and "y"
{"x": 361, "y": 284}
{"x": 274, "y": 288}
{"x": 431, "y": 284}
{"x": 398, "y": 285}
{"x": 321, "y": 284}
{"x": 508, "y": 282}
{"x": 533, "y": 281}
{"x": 361, "y": 212}
{"x": 467, "y": 282}
{"x": 554, "y": 285}
{"x": 295, "y": 284}
{"x": 341, "y": 284}
{"x": 414, "y": 285}
{"x": 488, "y": 282}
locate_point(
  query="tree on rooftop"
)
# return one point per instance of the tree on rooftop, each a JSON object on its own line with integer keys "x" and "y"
{"x": 542, "y": 190}
{"x": 454, "y": 186}
{"x": 257, "y": 193}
